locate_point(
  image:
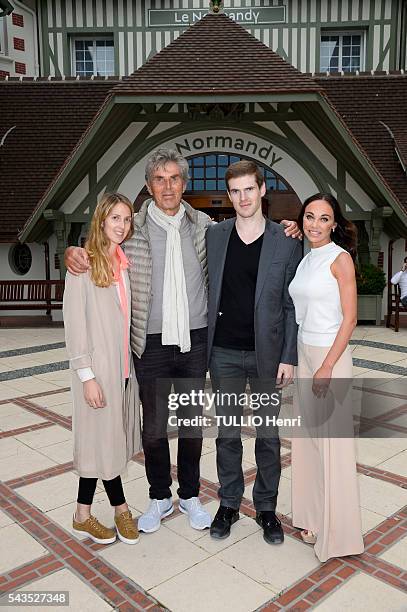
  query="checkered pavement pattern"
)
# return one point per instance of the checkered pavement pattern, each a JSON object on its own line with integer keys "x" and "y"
{"x": 178, "y": 568}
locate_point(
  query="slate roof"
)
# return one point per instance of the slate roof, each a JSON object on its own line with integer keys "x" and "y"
{"x": 50, "y": 117}
{"x": 369, "y": 104}
{"x": 216, "y": 55}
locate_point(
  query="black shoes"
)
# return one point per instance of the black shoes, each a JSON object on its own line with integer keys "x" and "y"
{"x": 224, "y": 519}
{"x": 272, "y": 530}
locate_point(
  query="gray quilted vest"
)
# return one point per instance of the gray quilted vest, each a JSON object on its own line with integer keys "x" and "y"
{"x": 138, "y": 251}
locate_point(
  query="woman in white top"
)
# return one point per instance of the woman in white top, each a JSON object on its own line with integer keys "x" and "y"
{"x": 106, "y": 423}
{"x": 325, "y": 497}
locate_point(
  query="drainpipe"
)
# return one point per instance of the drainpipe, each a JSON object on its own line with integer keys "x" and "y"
{"x": 403, "y": 36}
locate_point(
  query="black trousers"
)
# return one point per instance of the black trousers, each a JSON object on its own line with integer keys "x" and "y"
{"x": 113, "y": 488}
{"x": 159, "y": 368}
{"x": 230, "y": 369}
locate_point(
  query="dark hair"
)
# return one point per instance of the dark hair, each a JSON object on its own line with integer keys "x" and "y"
{"x": 345, "y": 234}
{"x": 242, "y": 168}
{"x": 405, "y": 260}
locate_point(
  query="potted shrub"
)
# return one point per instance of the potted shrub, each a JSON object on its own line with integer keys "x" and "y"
{"x": 371, "y": 281}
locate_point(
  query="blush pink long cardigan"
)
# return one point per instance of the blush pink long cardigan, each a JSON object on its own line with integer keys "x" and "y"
{"x": 105, "y": 439}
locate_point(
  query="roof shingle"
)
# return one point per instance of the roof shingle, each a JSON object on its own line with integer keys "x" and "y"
{"x": 49, "y": 118}
{"x": 216, "y": 56}
{"x": 366, "y": 103}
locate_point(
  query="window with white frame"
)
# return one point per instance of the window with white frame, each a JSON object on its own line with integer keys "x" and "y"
{"x": 341, "y": 51}
{"x": 93, "y": 56}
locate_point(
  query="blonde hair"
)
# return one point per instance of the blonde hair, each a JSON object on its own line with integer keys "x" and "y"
{"x": 97, "y": 243}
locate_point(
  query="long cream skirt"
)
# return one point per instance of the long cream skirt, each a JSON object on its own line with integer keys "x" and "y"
{"x": 325, "y": 495}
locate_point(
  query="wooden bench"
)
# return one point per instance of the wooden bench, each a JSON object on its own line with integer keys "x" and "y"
{"x": 31, "y": 295}
{"x": 394, "y": 306}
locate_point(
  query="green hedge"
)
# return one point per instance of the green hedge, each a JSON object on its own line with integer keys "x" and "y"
{"x": 370, "y": 280}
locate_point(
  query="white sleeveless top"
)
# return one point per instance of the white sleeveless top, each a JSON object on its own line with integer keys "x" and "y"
{"x": 315, "y": 293}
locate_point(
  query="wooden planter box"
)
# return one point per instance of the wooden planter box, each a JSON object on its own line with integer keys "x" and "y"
{"x": 370, "y": 308}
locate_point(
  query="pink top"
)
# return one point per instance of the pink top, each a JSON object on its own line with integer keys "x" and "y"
{"x": 123, "y": 265}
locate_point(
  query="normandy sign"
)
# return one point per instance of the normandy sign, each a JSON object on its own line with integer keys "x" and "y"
{"x": 240, "y": 145}
{"x": 248, "y": 15}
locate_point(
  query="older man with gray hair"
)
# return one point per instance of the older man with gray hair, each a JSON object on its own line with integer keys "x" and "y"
{"x": 168, "y": 271}
{"x": 169, "y": 331}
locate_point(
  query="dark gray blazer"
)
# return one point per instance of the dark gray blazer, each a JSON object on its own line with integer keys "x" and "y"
{"x": 275, "y": 328}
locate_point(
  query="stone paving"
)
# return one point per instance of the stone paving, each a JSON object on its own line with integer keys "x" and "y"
{"x": 178, "y": 568}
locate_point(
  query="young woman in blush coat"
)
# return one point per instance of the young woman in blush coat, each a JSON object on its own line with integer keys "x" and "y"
{"x": 106, "y": 422}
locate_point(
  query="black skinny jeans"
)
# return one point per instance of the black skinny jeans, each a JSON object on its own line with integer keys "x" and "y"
{"x": 187, "y": 372}
{"x": 113, "y": 488}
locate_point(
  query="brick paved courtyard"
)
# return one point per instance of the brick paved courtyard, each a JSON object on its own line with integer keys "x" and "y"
{"x": 178, "y": 568}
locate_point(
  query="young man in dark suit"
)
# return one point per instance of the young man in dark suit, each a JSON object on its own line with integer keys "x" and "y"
{"x": 252, "y": 335}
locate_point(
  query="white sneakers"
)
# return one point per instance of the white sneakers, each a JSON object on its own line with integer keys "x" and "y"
{"x": 198, "y": 517}
{"x": 158, "y": 509}
{"x": 150, "y": 521}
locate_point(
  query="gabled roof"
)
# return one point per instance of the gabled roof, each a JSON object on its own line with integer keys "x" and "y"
{"x": 216, "y": 55}
{"x": 371, "y": 105}
{"x": 49, "y": 118}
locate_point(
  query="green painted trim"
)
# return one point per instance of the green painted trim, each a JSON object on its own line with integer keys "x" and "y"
{"x": 343, "y": 25}
{"x": 78, "y": 218}
{"x": 46, "y": 61}
{"x": 401, "y": 52}
{"x": 92, "y": 177}
{"x": 370, "y": 38}
{"x": 54, "y": 57}
{"x": 97, "y": 30}
{"x": 358, "y": 216}
{"x": 341, "y": 174}
{"x": 67, "y": 57}
{"x": 54, "y": 15}
{"x": 104, "y": 13}
{"x": 84, "y": 13}
{"x": 175, "y": 98}
{"x": 125, "y": 34}
{"x": 116, "y": 52}
{"x": 383, "y": 53}
{"x": 25, "y": 233}
{"x": 308, "y": 51}
{"x": 247, "y": 116}
{"x": 318, "y": 27}
{"x": 371, "y": 172}
{"x": 361, "y": 2}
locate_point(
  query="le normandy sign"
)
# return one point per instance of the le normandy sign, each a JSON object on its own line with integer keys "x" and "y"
{"x": 254, "y": 15}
